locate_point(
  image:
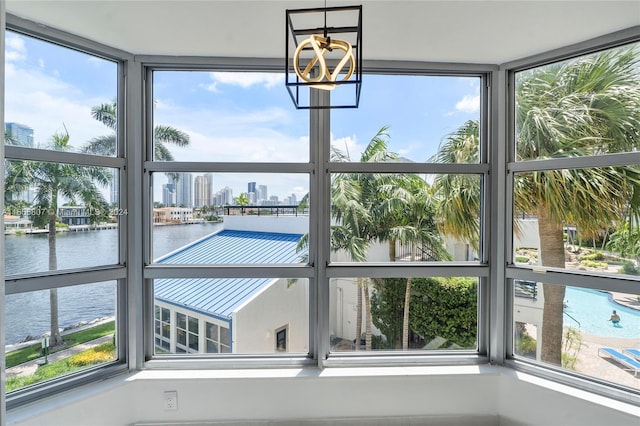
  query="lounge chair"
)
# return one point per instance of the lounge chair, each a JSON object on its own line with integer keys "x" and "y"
{"x": 629, "y": 363}
{"x": 635, "y": 353}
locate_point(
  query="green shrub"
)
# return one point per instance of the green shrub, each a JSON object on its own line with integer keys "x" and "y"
{"x": 97, "y": 355}
{"x": 629, "y": 268}
{"x": 445, "y": 308}
{"x": 596, "y": 255}
{"x": 593, "y": 264}
{"x": 522, "y": 259}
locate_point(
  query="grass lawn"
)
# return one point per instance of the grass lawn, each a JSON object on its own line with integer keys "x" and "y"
{"x": 99, "y": 354}
{"x": 32, "y": 352}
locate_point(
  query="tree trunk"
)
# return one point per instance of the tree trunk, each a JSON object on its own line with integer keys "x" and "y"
{"x": 551, "y": 255}
{"x": 358, "y": 312}
{"x": 405, "y": 319}
{"x": 367, "y": 311}
{"x": 55, "y": 338}
{"x": 392, "y": 250}
{"x": 407, "y": 303}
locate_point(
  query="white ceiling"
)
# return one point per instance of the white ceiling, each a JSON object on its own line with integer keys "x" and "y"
{"x": 474, "y": 31}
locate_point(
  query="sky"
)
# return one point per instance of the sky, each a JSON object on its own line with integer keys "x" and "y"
{"x": 246, "y": 117}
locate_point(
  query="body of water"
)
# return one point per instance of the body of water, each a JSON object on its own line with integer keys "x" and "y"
{"x": 590, "y": 311}
{"x": 28, "y": 314}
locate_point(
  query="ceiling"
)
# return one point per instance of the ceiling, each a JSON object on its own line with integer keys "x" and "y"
{"x": 473, "y": 31}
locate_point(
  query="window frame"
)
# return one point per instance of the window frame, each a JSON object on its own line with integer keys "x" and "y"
{"x": 72, "y": 277}
{"x": 565, "y": 277}
{"x": 319, "y": 270}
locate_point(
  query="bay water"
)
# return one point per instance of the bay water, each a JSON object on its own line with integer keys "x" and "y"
{"x": 28, "y": 314}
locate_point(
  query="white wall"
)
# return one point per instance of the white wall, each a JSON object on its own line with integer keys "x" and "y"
{"x": 528, "y": 236}
{"x": 277, "y": 305}
{"x": 445, "y": 395}
{"x": 281, "y": 224}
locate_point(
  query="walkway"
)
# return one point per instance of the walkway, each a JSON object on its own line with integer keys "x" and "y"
{"x": 630, "y": 300}
{"x": 28, "y": 368}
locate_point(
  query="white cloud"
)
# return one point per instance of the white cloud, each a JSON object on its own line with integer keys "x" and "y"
{"x": 469, "y": 104}
{"x": 349, "y": 146}
{"x": 46, "y": 104}
{"x": 244, "y": 80}
{"x": 15, "y": 49}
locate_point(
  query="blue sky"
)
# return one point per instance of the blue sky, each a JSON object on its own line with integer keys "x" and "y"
{"x": 232, "y": 116}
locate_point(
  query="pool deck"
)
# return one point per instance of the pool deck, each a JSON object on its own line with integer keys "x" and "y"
{"x": 630, "y": 300}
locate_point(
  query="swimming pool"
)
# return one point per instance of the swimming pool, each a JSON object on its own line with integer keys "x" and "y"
{"x": 592, "y": 309}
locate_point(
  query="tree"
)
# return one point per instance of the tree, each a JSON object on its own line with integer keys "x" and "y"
{"x": 53, "y": 183}
{"x": 106, "y": 113}
{"x": 583, "y": 107}
{"x": 242, "y": 200}
{"x": 382, "y": 207}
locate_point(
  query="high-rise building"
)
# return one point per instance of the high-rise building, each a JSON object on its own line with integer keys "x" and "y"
{"x": 19, "y": 134}
{"x": 168, "y": 194}
{"x": 224, "y": 197}
{"x": 203, "y": 190}
{"x": 114, "y": 191}
{"x": 251, "y": 187}
{"x": 184, "y": 189}
{"x": 262, "y": 193}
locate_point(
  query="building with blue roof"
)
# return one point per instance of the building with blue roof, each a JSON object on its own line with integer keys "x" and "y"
{"x": 233, "y": 315}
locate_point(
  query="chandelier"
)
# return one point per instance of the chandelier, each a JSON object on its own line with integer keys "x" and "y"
{"x": 323, "y": 50}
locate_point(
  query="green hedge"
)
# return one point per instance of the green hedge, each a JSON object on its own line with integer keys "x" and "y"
{"x": 445, "y": 308}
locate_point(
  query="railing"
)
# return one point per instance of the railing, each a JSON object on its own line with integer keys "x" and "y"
{"x": 525, "y": 289}
{"x": 266, "y": 210}
{"x": 403, "y": 252}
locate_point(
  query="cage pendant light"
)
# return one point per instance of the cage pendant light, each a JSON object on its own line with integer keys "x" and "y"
{"x": 323, "y": 50}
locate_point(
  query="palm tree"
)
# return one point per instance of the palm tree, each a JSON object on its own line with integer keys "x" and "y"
{"x": 54, "y": 181}
{"x": 381, "y": 207}
{"x": 242, "y": 200}
{"x": 106, "y": 113}
{"x": 417, "y": 226}
{"x": 589, "y": 106}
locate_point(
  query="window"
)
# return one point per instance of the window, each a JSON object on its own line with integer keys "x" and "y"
{"x": 187, "y": 332}
{"x": 233, "y": 197}
{"x": 162, "y": 329}
{"x": 217, "y": 339}
{"x": 281, "y": 339}
{"x": 408, "y": 172}
{"x": 575, "y": 214}
{"x": 64, "y": 216}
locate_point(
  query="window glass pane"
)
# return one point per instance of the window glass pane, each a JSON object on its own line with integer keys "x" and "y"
{"x": 227, "y": 116}
{"x": 247, "y": 311}
{"x": 224, "y": 336}
{"x": 85, "y": 316}
{"x": 443, "y": 314}
{"x": 193, "y": 325}
{"x": 422, "y": 116}
{"x": 577, "y": 219}
{"x": 265, "y": 212}
{"x": 71, "y": 198}
{"x": 591, "y": 332}
{"x": 579, "y": 107}
{"x": 52, "y": 91}
{"x": 212, "y": 331}
{"x": 212, "y": 347}
{"x": 404, "y": 217}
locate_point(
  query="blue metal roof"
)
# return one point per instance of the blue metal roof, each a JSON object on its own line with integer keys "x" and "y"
{"x": 232, "y": 247}
{"x": 219, "y": 297}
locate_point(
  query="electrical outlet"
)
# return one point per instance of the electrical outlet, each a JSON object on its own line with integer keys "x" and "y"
{"x": 171, "y": 400}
